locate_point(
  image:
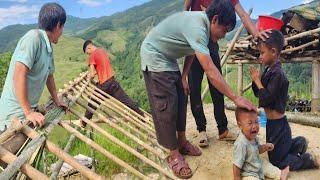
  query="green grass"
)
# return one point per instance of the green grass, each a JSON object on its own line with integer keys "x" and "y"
{"x": 117, "y": 38}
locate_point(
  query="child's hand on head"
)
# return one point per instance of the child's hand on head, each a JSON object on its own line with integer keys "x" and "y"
{"x": 269, "y": 146}
{"x": 254, "y": 73}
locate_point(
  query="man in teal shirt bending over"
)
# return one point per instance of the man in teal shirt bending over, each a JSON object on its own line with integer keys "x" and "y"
{"x": 31, "y": 68}
{"x": 181, "y": 35}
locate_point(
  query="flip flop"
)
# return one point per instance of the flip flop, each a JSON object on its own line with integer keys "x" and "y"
{"x": 203, "y": 139}
{"x": 229, "y": 137}
{"x": 190, "y": 149}
{"x": 177, "y": 165}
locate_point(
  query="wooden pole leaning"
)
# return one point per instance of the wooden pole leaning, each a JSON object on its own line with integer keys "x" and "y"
{"x": 97, "y": 147}
{"x": 120, "y": 129}
{"x": 8, "y": 157}
{"x": 122, "y": 106}
{"x": 123, "y": 145}
{"x": 109, "y": 106}
{"x": 63, "y": 155}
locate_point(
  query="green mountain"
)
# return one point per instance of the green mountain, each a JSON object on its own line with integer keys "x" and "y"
{"x": 10, "y": 35}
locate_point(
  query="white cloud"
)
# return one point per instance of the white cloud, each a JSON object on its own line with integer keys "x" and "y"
{"x": 93, "y": 3}
{"x": 18, "y": 14}
{"x": 18, "y": 1}
{"x": 306, "y": 1}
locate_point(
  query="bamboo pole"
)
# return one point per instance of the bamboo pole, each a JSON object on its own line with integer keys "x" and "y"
{"x": 315, "y": 102}
{"x": 134, "y": 129}
{"x": 306, "y": 33}
{"x": 300, "y": 47}
{"x": 225, "y": 56}
{"x": 102, "y": 150}
{"x": 247, "y": 87}
{"x": 62, "y": 155}
{"x": 123, "y": 131}
{"x": 108, "y": 105}
{"x": 28, "y": 170}
{"x": 59, "y": 164}
{"x": 120, "y": 106}
{"x": 123, "y": 145}
{"x": 115, "y": 108}
{"x": 111, "y": 106}
{"x": 240, "y": 79}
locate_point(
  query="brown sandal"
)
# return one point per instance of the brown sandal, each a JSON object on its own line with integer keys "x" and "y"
{"x": 179, "y": 164}
{"x": 190, "y": 149}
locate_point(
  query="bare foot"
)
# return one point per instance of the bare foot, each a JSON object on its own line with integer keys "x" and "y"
{"x": 284, "y": 173}
{"x": 317, "y": 163}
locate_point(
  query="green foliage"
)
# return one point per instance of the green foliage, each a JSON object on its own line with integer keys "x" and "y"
{"x": 4, "y": 65}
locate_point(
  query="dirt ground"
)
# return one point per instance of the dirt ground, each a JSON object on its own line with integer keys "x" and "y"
{"x": 216, "y": 160}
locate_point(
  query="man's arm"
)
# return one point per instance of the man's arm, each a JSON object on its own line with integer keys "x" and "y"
{"x": 236, "y": 173}
{"x": 248, "y": 24}
{"x": 187, "y": 5}
{"x": 186, "y": 69}
{"x": 20, "y": 88}
{"x": 219, "y": 83}
{"x": 51, "y": 85}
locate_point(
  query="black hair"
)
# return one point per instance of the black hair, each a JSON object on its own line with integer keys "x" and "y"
{"x": 240, "y": 110}
{"x": 275, "y": 40}
{"x": 50, "y": 15}
{"x": 85, "y": 44}
{"x": 225, "y": 11}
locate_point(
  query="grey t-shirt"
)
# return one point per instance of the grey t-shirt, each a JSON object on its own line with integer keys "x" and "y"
{"x": 179, "y": 35}
{"x": 246, "y": 157}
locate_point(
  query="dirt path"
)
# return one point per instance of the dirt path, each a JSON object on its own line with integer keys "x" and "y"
{"x": 216, "y": 160}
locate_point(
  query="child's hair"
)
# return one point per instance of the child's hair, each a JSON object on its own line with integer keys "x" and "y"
{"x": 50, "y": 15}
{"x": 225, "y": 11}
{"x": 242, "y": 110}
{"x": 85, "y": 44}
{"x": 275, "y": 40}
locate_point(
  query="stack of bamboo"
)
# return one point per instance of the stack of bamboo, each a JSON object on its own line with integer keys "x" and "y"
{"x": 304, "y": 44}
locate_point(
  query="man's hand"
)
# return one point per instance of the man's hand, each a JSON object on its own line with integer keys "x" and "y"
{"x": 243, "y": 103}
{"x": 263, "y": 35}
{"x": 185, "y": 86}
{"x": 254, "y": 74}
{"x": 36, "y": 118}
{"x": 62, "y": 104}
{"x": 269, "y": 146}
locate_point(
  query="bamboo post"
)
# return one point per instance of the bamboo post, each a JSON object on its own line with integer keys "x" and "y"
{"x": 315, "y": 102}
{"x": 102, "y": 150}
{"x": 123, "y": 145}
{"x": 28, "y": 170}
{"x": 226, "y": 54}
{"x": 59, "y": 164}
{"x": 62, "y": 155}
{"x": 307, "y": 33}
{"x": 240, "y": 79}
{"x": 118, "y": 128}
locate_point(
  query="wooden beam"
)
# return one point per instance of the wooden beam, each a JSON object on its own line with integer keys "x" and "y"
{"x": 28, "y": 170}
{"x": 315, "y": 101}
{"x": 97, "y": 147}
{"x": 240, "y": 79}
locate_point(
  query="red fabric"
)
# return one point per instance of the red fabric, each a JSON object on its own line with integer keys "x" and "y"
{"x": 196, "y": 4}
{"x": 100, "y": 59}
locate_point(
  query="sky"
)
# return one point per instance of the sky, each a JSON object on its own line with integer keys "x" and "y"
{"x": 26, "y": 11}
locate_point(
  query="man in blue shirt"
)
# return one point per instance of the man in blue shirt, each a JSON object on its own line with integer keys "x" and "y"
{"x": 31, "y": 68}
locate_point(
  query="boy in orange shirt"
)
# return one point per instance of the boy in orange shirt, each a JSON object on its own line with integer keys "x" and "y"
{"x": 99, "y": 64}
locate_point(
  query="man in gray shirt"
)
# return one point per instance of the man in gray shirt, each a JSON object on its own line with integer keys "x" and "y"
{"x": 181, "y": 35}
